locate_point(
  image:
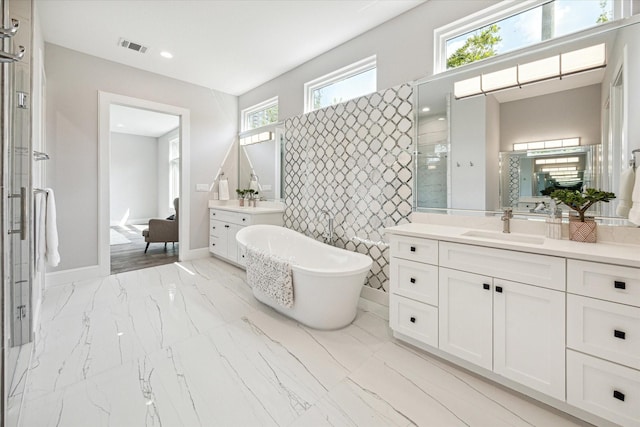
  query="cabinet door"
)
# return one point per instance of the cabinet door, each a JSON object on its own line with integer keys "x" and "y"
{"x": 465, "y": 316}
{"x": 232, "y": 243}
{"x": 529, "y": 336}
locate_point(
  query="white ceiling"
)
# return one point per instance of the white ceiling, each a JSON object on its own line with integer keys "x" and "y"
{"x": 228, "y": 45}
{"x": 135, "y": 121}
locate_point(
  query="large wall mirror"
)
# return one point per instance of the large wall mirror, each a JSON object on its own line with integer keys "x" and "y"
{"x": 260, "y": 161}
{"x": 512, "y": 147}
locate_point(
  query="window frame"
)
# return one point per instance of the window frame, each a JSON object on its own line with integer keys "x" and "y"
{"x": 247, "y": 112}
{"x": 174, "y": 170}
{"x": 493, "y": 14}
{"x": 344, "y": 73}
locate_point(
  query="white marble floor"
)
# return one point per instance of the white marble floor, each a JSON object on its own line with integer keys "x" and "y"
{"x": 187, "y": 345}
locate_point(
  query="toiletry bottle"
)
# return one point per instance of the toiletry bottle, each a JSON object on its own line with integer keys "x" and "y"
{"x": 554, "y": 222}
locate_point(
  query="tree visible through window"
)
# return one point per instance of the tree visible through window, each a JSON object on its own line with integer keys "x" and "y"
{"x": 543, "y": 22}
{"x": 260, "y": 115}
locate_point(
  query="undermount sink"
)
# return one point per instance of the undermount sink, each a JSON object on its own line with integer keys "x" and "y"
{"x": 506, "y": 237}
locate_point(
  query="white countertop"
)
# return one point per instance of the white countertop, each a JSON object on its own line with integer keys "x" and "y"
{"x": 262, "y": 208}
{"x": 607, "y": 252}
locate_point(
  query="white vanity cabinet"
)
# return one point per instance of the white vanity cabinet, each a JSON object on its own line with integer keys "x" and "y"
{"x": 225, "y": 223}
{"x": 603, "y": 340}
{"x": 515, "y": 329}
{"x": 414, "y": 288}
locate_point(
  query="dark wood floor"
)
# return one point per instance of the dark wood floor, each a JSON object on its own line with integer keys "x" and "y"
{"x": 130, "y": 256}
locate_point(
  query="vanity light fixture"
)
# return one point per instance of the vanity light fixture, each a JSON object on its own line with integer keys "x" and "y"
{"x": 557, "y": 66}
{"x": 256, "y": 138}
{"x": 539, "y": 145}
{"x": 557, "y": 160}
{"x": 426, "y": 109}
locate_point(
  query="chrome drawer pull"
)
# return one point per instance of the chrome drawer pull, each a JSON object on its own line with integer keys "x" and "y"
{"x": 618, "y": 395}
{"x": 619, "y": 285}
{"x": 619, "y": 334}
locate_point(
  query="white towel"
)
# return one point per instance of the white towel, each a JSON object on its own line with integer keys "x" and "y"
{"x": 51, "y": 254}
{"x": 223, "y": 189}
{"x": 271, "y": 275}
{"x": 625, "y": 195}
{"x": 40, "y": 231}
{"x": 634, "y": 212}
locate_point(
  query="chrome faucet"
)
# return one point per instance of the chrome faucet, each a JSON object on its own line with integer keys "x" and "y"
{"x": 328, "y": 235}
{"x": 506, "y": 216}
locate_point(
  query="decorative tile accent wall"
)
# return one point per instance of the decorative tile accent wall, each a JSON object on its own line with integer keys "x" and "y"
{"x": 353, "y": 160}
{"x": 514, "y": 180}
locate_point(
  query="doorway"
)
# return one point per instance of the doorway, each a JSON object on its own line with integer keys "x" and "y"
{"x": 143, "y": 183}
{"x": 116, "y": 210}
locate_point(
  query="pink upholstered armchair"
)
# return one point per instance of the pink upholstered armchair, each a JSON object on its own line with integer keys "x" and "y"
{"x": 162, "y": 230}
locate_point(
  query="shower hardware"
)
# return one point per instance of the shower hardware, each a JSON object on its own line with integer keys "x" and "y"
{"x": 11, "y": 31}
{"x": 328, "y": 235}
{"x": 6, "y": 57}
{"x": 23, "y": 213}
{"x": 23, "y": 100}
{"x": 39, "y": 155}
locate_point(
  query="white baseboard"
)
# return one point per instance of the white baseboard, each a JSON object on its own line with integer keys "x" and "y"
{"x": 375, "y": 295}
{"x": 57, "y": 278}
{"x": 195, "y": 254}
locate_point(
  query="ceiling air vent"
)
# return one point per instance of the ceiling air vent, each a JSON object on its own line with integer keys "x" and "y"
{"x": 132, "y": 45}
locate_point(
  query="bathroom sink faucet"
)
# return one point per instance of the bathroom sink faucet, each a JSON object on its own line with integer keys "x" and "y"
{"x": 506, "y": 216}
{"x": 328, "y": 235}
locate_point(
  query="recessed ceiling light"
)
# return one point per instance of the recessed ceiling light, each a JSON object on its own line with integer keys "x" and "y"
{"x": 425, "y": 109}
{"x": 166, "y": 54}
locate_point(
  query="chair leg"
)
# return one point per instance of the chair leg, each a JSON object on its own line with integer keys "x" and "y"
{"x": 145, "y": 249}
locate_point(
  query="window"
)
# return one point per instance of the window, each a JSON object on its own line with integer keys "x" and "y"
{"x": 260, "y": 115}
{"x": 508, "y": 26}
{"x": 174, "y": 169}
{"x": 341, "y": 85}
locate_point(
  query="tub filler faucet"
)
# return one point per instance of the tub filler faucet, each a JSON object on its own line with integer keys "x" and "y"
{"x": 328, "y": 235}
{"x": 506, "y": 217}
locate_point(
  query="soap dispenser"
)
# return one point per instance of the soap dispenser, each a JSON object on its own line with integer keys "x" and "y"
{"x": 554, "y": 222}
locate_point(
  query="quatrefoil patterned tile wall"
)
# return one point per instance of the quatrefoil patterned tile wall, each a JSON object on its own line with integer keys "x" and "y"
{"x": 353, "y": 160}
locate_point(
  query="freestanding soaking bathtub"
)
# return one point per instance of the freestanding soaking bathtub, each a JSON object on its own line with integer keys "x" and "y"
{"x": 326, "y": 280}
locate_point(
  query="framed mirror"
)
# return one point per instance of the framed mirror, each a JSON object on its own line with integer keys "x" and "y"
{"x": 260, "y": 161}
{"x": 464, "y": 143}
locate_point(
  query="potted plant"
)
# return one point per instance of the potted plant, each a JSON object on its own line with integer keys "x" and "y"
{"x": 582, "y": 228}
{"x": 241, "y": 194}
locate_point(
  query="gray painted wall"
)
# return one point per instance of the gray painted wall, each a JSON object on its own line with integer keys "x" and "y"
{"x": 73, "y": 82}
{"x": 133, "y": 181}
{"x": 404, "y": 47}
{"x": 566, "y": 114}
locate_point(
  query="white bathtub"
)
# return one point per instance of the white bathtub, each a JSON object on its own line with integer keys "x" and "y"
{"x": 326, "y": 280}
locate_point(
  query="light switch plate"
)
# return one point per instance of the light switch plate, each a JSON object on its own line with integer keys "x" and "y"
{"x": 202, "y": 187}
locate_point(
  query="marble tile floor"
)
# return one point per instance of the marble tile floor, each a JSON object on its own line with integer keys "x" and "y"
{"x": 186, "y": 344}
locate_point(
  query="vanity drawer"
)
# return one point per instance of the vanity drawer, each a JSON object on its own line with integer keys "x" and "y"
{"x": 414, "y": 319}
{"x": 604, "y": 329}
{"x": 534, "y": 269}
{"x": 414, "y": 280}
{"x": 216, "y": 228}
{"x": 231, "y": 217}
{"x": 414, "y": 249}
{"x": 217, "y": 246}
{"x": 605, "y": 281}
{"x": 603, "y": 388}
